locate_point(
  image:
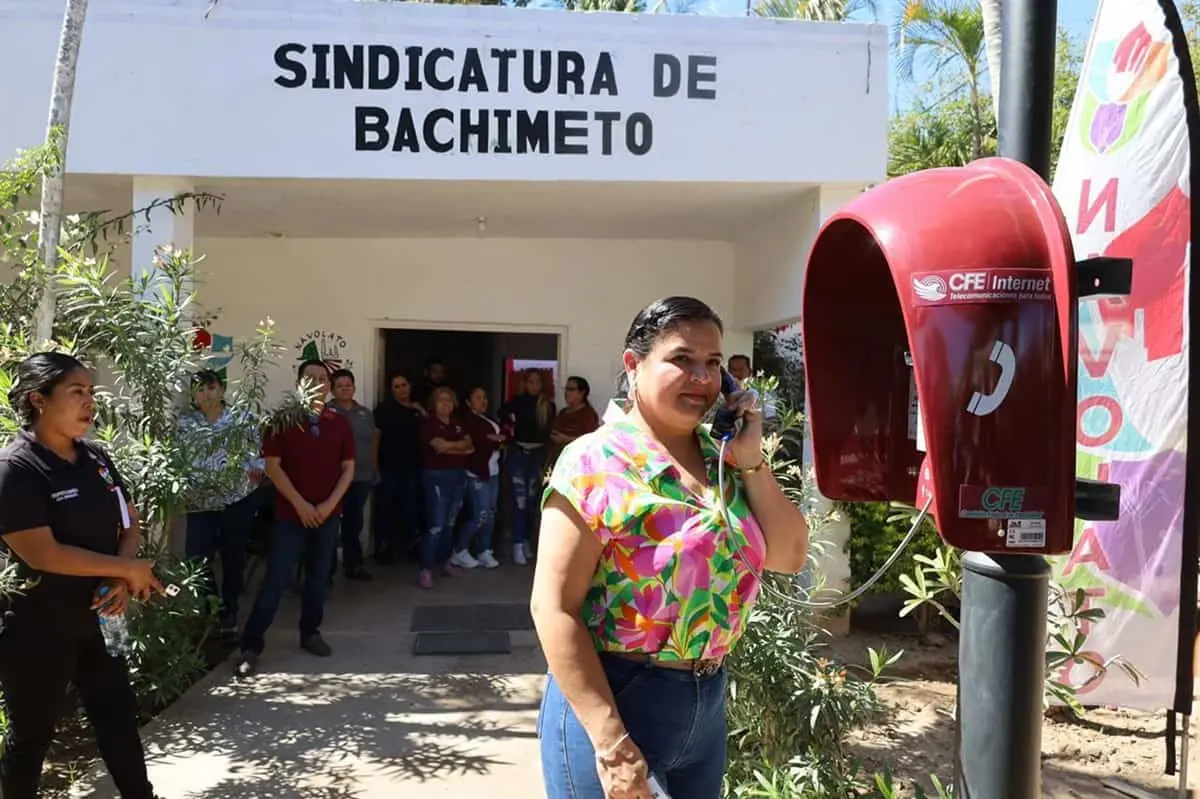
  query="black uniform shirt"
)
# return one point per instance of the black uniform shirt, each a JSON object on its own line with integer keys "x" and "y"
{"x": 80, "y": 502}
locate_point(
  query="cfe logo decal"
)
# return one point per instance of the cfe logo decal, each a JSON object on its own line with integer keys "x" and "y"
{"x": 1000, "y": 502}
{"x": 962, "y": 286}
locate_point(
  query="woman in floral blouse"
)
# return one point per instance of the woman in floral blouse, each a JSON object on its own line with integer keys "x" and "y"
{"x": 641, "y": 589}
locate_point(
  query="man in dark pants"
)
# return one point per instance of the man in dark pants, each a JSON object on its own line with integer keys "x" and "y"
{"x": 311, "y": 466}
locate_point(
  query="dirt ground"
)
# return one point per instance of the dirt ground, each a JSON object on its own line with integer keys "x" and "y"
{"x": 915, "y": 737}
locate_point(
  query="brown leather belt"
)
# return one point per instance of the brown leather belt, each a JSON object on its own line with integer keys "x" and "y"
{"x": 704, "y": 667}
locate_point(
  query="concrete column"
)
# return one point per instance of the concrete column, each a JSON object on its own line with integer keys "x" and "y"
{"x": 834, "y": 565}
{"x": 164, "y": 227}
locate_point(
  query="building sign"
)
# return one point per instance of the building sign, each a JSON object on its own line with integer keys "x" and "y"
{"x": 480, "y": 92}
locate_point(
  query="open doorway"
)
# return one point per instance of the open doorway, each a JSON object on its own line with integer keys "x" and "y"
{"x": 470, "y": 358}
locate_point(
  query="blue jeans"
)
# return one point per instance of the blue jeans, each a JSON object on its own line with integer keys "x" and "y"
{"x": 483, "y": 495}
{"x": 444, "y": 490}
{"x": 290, "y": 543}
{"x": 397, "y": 511}
{"x": 227, "y": 533}
{"x": 352, "y": 524}
{"x": 676, "y": 718}
{"x": 525, "y": 479}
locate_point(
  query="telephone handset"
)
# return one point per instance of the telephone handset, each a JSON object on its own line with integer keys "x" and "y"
{"x": 983, "y": 404}
{"x": 725, "y": 420}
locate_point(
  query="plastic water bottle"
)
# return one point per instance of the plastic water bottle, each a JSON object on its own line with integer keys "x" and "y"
{"x": 115, "y": 630}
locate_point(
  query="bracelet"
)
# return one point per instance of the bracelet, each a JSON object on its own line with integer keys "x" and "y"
{"x": 612, "y": 750}
{"x": 754, "y": 469}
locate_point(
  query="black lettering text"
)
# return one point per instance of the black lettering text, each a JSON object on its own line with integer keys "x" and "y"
{"x": 413, "y": 54}
{"x": 606, "y": 120}
{"x": 503, "y": 143}
{"x": 432, "y": 78}
{"x": 286, "y": 61}
{"x": 321, "y": 66}
{"x": 348, "y": 66}
{"x": 503, "y": 59}
{"x": 605, "y": 79}
{"x": 639, "y": 133}
{"x": 383, "y": 71}
{"x": 478, "y": 129}
{"x": 668, "y": 75}
{"x": 370, "y": 128}
{"x": 701, "y": 69}
{"x": 533, "y": 132}
{"x": 473, "y": 76}
{"x": 570, "y": 71}
{"x": 537, "y": 76}
{"x": 406, "y": 133}
{"x": 430, "y": 129}
{"x": 565, "y": 133}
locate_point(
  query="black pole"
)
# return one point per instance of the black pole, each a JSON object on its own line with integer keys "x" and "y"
{"x": 1002, "y": 646}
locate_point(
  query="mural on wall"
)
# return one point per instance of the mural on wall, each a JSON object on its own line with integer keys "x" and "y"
{"x": 325, "y": 346}
{"x": 217, "y": 349}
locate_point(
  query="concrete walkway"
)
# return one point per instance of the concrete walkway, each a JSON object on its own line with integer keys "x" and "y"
{"x": 370, "y": 721}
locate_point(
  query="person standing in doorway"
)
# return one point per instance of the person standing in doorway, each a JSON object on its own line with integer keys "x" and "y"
{"x": 398, "y": 498}
{"x": 221, "y": 524}
{"x": 577, "y": 418}
{"x": 740, "y": 368}
{"x": 73, "y": 536}
{"x": 529, "y": 415}
{"x": 445, "y": 446}
{"x": 366, "y": 472}
{"x": 311, "y": 466}
{"x": 483, "y": 483}
{"x": 433, "y": 378}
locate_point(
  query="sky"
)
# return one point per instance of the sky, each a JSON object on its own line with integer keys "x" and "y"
{"x": 1073, "y": 15}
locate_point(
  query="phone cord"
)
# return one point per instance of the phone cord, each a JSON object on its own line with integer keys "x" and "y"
{"x": 853, "y": 595}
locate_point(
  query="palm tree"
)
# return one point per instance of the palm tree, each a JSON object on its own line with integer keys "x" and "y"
{"x": 993, "y": 36}
{"x": 948, "y": 35}
{"x": 818, "y": 10}
{"x": 58, "y": 126}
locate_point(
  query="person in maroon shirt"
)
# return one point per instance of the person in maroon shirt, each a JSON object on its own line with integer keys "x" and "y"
{"x": 311, "y": 466}
{"x": 445, "y": 448}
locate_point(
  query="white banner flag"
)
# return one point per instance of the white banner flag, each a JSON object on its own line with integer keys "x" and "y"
{"x": 1124, "y": 181}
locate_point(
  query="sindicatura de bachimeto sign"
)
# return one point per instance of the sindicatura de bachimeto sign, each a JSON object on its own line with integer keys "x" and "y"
{"x": 475, "y": 87}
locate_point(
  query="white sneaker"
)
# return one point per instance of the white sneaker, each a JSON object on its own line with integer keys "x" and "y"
{"x": 463, "y": 560}
{"x": 519, "y": 555}
{"x": 528, "y": 550}
{"x": 487, "y": 560}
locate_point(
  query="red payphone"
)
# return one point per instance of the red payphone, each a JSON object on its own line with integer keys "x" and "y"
{"x": 940, "y": 340}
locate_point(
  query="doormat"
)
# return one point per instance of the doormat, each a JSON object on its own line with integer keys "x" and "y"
{"x": 462, "y": 643}
{"x": 471, "y": 618}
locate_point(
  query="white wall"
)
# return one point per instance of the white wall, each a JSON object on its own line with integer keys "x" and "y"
{"x": 162, "y": 91}
{"x": 590, "y": 290}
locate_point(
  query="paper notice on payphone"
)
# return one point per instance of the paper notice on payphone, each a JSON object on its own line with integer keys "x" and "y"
{"x": 1026, "y": 533}
{"x": 916, "y": 431}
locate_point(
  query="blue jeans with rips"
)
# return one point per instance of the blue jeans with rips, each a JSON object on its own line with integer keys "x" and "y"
{"x": 675, "y": 717}
{"x": 444, "y": 491}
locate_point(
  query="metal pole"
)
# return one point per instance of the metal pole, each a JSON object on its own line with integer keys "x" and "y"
{"x": 1002, "y": 646}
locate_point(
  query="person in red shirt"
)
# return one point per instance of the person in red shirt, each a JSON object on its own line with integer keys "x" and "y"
{"x": 311, "y": 466}
{"x": 445, "y": 449}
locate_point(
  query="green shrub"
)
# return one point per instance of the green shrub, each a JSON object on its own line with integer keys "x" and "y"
{"x": 790, "y": 705}
{"x": 875, "y": 532}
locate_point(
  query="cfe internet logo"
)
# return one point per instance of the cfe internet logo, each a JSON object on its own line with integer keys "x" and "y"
{"x": 982, "y": 285}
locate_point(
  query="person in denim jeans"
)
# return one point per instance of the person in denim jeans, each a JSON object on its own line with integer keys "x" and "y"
{"x": 220, "y": 517}
{"x": 529, "y": 416}
{"x": 483, "y": 483}
{"x": 445, "y": 447}
{"x": 310, "y": 462}
{"x": 646, "y": 573}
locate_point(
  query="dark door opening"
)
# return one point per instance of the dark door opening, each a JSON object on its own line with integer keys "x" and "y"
{"x": 471, "y": 358}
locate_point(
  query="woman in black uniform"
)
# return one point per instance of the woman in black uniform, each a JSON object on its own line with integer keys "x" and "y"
{"x": 66, "y": 517}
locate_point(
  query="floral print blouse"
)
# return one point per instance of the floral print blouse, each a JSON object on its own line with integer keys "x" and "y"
{"x": 669, "y": 581}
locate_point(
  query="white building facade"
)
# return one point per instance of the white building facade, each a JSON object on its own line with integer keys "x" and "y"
{"x": 391, "y": 166}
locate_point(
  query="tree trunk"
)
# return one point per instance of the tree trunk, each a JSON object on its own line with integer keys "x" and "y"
{"x": 50, "y": 221}
{"x": 993, "y": 34}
